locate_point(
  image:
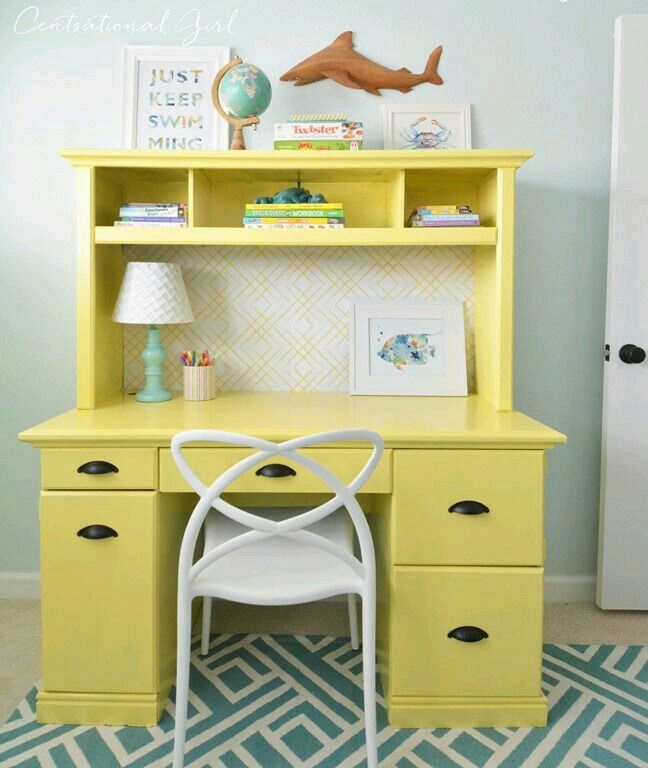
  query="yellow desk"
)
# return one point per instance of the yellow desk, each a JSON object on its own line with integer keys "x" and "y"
{"x": 108, "y": 606}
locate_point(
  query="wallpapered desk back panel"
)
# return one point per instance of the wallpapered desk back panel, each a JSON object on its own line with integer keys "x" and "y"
{"x": 280, "y": 316}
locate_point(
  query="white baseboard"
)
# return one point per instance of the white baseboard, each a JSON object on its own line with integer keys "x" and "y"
{"x": 19, "y": 586}
{"x": 558, "y": 589}
{"x": 569, "y": 589}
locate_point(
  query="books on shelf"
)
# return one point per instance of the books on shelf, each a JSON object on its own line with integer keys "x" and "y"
{"x": 294, "y": 216}
{"x": 319, "y": 132}
{"x": 294, "y": 224}
{"x": 318, "y": 144}
{"x": 152, "y": 215}
{"x": 443, "y": 216}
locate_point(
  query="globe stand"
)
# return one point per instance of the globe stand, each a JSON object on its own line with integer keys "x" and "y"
{"x": 238, "y": 141}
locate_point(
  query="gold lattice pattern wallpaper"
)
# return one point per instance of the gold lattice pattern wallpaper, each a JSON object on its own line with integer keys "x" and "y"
{"x": 280, "y": 316}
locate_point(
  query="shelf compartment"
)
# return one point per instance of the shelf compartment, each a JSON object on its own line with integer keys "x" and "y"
{"x": 371, "y": 197}
{"x": 116, "y": 186}
{"x": 367, "y": 236}
{"x": 438, "y": 187}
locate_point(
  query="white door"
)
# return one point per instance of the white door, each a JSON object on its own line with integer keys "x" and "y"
{"x": 623, "y": 532}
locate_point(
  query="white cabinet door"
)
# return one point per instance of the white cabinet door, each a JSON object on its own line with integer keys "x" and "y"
{"x": 623, "y": 534}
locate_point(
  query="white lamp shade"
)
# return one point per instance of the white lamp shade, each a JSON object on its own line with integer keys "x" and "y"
{"x": 152, "y": 293}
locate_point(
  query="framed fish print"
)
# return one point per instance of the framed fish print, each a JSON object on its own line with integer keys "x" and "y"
{"x": 407, "y": 348}
{"x": 167, "y": 97}
{"x": 422, "y": 126}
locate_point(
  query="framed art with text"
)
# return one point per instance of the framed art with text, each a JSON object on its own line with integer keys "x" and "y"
{"x": 167, "y": 97}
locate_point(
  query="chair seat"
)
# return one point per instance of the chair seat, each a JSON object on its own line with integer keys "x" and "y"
{"x": 272, "y": 571}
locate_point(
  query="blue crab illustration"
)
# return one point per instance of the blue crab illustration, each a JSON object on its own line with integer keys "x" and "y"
{"x": 426, "y": 133}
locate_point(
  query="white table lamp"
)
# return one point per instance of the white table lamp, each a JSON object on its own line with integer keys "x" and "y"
{"x": 153, "y": 293}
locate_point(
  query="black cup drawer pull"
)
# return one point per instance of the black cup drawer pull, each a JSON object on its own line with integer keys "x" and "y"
{"x": 97, "y": 468}
{"x": 97, "y": 531}
{"x": 468, "y": 507}
{"x": 276, "y": 470}
{"x": 468, "y": 634}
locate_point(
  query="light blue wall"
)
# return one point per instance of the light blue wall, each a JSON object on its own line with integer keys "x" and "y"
{"x": 538, "y": 74}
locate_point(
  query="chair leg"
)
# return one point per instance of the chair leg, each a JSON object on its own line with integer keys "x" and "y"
{"x": 182, "y": 681}
{"x": 206, "y": 625}
{"x": 369, "y": 679}
{"x": 353, "y": 621}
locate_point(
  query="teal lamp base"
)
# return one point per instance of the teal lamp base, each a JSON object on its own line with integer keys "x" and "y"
{"x": 153, "y": 356}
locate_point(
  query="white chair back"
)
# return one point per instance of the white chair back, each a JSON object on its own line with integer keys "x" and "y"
{"x": 260, "y": 528}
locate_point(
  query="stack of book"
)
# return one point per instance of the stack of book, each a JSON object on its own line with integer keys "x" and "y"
{"x": 318, "y": 132}
{"x": 443, "y": 216}
{"x": 294, "y": 216}
{"x": 152, "y": 215}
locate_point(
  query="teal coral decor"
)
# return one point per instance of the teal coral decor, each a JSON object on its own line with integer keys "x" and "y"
{"x": 153, "y": 356}
{"x": 292, "y": 196}
{"x": 281, "y": 701}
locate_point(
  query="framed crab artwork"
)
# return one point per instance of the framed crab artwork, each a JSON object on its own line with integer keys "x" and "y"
{"x": 407, "y": 348}
{"x": 412, "y": 126}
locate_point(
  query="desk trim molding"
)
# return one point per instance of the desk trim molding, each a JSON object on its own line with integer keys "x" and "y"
{"x": 468, "y": 712}
{"x": 135, "y": 709}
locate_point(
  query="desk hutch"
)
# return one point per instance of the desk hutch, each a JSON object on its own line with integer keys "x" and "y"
{"x": 108, "y": 606}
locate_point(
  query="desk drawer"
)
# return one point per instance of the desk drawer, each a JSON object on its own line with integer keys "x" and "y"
{"x": 209, "y": 463}
{"x": 428, "y": 603}
{"x": 97, "y": 595}
{"x": 136, "y": 468}
{"x": 507, "y": 483}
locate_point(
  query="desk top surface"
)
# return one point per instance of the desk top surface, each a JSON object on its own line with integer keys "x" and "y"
{"x": 417, "y": 422}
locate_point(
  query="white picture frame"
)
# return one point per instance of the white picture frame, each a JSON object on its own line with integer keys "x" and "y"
{"x": 181, "y": 107}
{"x": 432, "y": 361}
{"x": 444, "y": 127}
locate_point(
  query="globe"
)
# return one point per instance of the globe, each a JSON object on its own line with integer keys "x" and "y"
{"x": 244, "y": 91}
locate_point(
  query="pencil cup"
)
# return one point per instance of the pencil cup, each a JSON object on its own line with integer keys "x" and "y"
{"x": 199, "y": 382}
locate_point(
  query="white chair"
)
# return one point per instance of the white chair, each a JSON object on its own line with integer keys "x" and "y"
{"x": 275, "y": 558}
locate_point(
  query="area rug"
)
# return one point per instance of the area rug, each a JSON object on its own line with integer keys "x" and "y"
{"x": 282, "y": 701}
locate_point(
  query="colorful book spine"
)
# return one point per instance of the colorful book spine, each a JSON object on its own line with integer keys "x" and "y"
{"x": 319, "y": 129}
{"x": 294, "y": 226}
{"x": 155, "y": 219}
{"x": 318, "y": 144}
{"x": 153, "y": 211}
{"x": 150, "y": 224}
{"x": 294, "y": 206}
{"x": 302, "y": 220}
{"x": 416, "y": 224}
{"x": 441, "y": 209}
{"x": 292, "y": 213}
{"x": 446, "y": 217}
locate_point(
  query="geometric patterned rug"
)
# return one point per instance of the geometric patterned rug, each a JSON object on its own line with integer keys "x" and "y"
{"x": 281, "y": 701}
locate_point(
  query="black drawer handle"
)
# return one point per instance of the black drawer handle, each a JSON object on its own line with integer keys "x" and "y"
{"x": 97, "y": 531}
{"x": 276, "y": 470}
{"x": 97, "y": 468}
{"x": 468, "y": 634}
{"x": 468, "y": 507}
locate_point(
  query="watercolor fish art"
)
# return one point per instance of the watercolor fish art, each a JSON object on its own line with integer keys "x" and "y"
{"x": 407, "y": 349}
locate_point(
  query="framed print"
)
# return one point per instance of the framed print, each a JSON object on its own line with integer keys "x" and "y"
{"x": 421, "y": 126}
{"x": 167, "y": 98}
{"x": 407, "y": 348}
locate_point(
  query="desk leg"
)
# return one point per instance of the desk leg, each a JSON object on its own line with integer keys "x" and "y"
{"x": 175, "y": 509}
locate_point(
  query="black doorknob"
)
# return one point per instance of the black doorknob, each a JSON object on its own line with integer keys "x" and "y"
{"x": 631, "y": 353}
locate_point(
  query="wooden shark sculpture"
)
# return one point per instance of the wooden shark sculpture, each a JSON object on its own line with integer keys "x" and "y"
{"x": 341, "y": 63}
